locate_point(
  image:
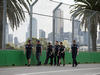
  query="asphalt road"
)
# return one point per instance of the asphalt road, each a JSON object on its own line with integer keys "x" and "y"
{"x": 81, "y": 69}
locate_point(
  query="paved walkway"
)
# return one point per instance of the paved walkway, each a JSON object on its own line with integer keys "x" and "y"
{"x": 81, "y": 69}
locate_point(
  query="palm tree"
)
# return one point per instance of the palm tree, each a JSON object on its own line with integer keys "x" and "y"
{"x": 15, "y": 13}
{"x": 88, "y": 7}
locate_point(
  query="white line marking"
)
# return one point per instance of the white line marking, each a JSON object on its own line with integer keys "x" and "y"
{"x": 93, "y": 74}
{"x": 46, "y": 72}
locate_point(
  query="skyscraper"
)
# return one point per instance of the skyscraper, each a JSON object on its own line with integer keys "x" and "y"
{"x": 27, "y": 33}
{"x": 99, "y": 37}
{"x": 76, "y": 30}
{"x": 34, "y": 27}
{"x": 10, "y": 38}
{"x": 41, "y": 34}
{"x": 7, "y": 33}
{"x": 59, "y": 25}
{"x": 50, "y": 37}
{"x": 16, "y": 41}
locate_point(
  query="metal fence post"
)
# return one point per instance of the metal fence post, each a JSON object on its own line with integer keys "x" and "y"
{"x": 4, "y": 23}
{"x": 54, "y": 22}
{"x": 31, "y": 7}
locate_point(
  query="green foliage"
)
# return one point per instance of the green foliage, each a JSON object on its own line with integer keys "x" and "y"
{"x": 43, "y": 42}
{"x": 8, "y": 46}
{"x": 83, "y": 9}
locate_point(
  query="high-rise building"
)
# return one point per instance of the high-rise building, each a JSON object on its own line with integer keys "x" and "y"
{"x": 27, "y": 35}
{"x": 10, "y": 38}
{"x": 99, "y": 37}
{"x": 68, "y": 36}
{"x": 50, "y": 37}
{"x": 59, "y": 25}
{"x": 7, "y": 33}
{"x": 34, "y": 27}
{"x": 16, "y": 41}
{"x": 41, "y": 34}
{"x": 76, "y": 30}
{"x": 84, "y": 38}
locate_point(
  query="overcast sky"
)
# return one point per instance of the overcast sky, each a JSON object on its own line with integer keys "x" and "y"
{"x": 44, "y": 7}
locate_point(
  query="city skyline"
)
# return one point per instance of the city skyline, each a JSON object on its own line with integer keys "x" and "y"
{"x": 43, "y": 22}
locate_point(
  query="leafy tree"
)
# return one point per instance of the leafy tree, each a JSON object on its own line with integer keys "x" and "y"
{"x": 84, "y": 9}
{"x": 15, "y": 14}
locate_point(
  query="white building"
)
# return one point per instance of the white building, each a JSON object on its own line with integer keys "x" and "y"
{"x": 10, "y": 38}
{"x": 7, "y": 33}
{"x": 41, "y": 34}
{"x": 59, "y": 25}
{"x": 34, "y": 27}
{"x": 16, "y": 41}
{"x": 76, "y": 30}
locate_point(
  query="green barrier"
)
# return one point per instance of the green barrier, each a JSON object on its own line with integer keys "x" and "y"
{"x": 17, "y": 58}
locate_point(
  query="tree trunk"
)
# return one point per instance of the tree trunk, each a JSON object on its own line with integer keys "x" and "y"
{"x": 1, "y": 26}
{"x": 93, "y": 33}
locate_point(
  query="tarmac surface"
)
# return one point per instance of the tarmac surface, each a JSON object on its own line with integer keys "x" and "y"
{"x": 81, "y": 69}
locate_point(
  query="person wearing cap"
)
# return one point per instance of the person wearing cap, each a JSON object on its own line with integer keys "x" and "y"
{"x": 38, "y": 49}
{"x": 28, "y": 49}
{"x": 56, "y": 57}
{"x": 75, "y": 52}
{"x": 49, "y": 54}
{"x": 61, "y": 53}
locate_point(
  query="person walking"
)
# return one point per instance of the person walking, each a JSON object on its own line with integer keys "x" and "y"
{"x": 49, "y": 54}
{"x": 38, "y": 49}
{"x": 75, "y": 52}
{"x": 61, "y": 53}
{"x": 56, "y": 57}
{"x": 28, "y": 49}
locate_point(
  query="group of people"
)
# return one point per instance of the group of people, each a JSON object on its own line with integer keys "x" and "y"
{"x": 57, "y": 52}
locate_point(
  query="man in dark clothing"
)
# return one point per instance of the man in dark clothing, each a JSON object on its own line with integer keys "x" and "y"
{"x": 75, "y": 52}
{"x": 56, "y": 48}
{"x": 49, "y": 54}
{"x": 38, "y": 49}
{"x": 28, "y": 48}
{"x": 61, "y": 53}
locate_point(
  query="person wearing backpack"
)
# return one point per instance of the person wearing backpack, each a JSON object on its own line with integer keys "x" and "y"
{"x": 38, "y": 49}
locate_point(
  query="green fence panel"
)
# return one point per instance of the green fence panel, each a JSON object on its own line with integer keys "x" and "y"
{"x": 17, "y": 58}
{"x": 84, "y": 57}
{"x": 68, "y": 58}
{"x": 95, "y": 57}
{"x": 2, "y": 58}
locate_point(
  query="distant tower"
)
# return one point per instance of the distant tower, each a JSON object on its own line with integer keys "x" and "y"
{"x": 16, "y": 41}
{"x": 76, "y": 30}
{"x": 27, "y": 33}
{"x": 7, "y": 33}
{"x": 41, "y": 34}
{"x": 34, "y": 27}
{"x": 59, "y": 25}
{"x": 10, "y": 38}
